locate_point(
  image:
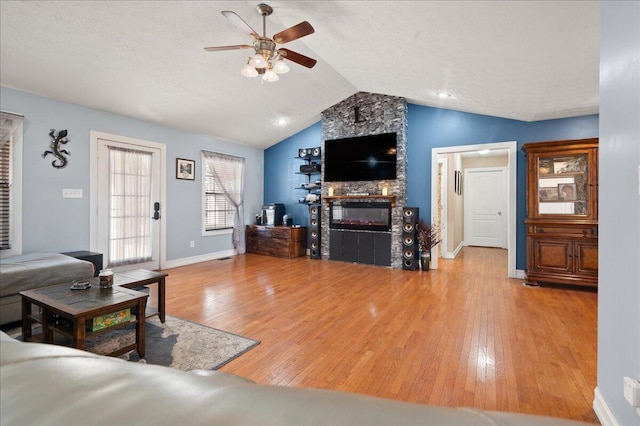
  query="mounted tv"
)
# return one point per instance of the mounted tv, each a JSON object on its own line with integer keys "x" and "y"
{"x": 360, "y": 158}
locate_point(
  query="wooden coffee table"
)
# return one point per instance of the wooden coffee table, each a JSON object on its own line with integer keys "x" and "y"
{"x": 67, "y": 311}
{"x": 141, "y": 277}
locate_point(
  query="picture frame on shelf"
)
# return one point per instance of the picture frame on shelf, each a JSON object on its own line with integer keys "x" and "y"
{"x": 567, "y": 192}
{"x": 548, "y": 193}
{"x": 185, "y": 169}
{"x": 559, "y": 167}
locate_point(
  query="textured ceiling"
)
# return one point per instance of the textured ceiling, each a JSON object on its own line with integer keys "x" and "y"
{"x": 525, "y": 60}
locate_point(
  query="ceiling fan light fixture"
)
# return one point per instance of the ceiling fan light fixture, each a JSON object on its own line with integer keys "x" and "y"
{"x": 270, "y": 76}
{"x": 281, "y": 67}
{"x": 249, "y": 71}
{"x": 268, "y": 58}
{"x": 258, "y": 61}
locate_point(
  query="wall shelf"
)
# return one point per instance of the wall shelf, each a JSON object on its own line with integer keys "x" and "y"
{"x": 390, "y": 198}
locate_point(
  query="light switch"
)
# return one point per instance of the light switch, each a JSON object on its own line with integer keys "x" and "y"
{"x": 71, "y": 193}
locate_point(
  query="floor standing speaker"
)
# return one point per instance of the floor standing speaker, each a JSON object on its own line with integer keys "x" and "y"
{"x": 409, "y": 244}
{"x": 314, "y": 232}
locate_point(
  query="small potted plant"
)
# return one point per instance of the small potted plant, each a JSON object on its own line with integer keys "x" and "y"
{"x": 428, "y": 236}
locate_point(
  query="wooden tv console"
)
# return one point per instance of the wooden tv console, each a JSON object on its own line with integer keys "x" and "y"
{"x": 277, "y": 241}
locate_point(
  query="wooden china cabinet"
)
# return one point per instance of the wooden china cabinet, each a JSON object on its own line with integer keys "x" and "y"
{"x": 562, "y": 212}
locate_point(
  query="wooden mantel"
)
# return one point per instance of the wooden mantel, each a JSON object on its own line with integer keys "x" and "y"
{"x": 390, "y": 198}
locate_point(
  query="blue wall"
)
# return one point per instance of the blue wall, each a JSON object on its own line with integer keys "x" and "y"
{"x": 428, "y": 128}
{"x": 280, "y": 177}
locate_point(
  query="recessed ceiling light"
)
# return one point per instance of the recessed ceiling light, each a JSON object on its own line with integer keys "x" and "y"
{"x": 281, "y": 121}
{"x": 443, "y": 95}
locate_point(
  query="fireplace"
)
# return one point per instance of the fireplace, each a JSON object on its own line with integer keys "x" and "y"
{"x": 365, "y": 216}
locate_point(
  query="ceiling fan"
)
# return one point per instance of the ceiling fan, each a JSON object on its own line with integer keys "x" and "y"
{"x": 268, "y": 58}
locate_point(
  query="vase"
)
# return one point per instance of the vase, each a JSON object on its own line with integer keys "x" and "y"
{"x": 425, "y": 259}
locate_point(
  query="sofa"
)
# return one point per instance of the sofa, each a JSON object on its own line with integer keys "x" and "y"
{"x": 48, "y": 384}
{"x": 35, "y": 270}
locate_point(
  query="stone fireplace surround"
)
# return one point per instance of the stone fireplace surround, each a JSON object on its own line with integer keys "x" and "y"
{"x": 375, "y": 114}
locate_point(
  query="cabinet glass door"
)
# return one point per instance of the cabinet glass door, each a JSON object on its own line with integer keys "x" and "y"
{"x": 563, "y": 185}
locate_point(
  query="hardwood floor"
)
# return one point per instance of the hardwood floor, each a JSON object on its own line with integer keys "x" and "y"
{"x": 462, "y": 335}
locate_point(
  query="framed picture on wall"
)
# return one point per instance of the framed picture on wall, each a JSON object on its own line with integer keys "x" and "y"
{"x": 455, "y": 181}
{"x": 457, "y": 186}
{"x": 185, "y": 169}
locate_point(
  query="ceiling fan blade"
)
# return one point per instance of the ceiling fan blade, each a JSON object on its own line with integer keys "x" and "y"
{"x": 297, "y": 58}
{"x": 234, "y": 47}
{"x": 293, "y": 33}
{"x": 240, "y": 24}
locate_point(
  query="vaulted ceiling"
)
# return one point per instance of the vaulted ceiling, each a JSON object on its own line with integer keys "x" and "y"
{"x": 523, "y": 60}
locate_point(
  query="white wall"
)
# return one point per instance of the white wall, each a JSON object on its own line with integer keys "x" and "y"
{"x": 619, "y": 210}
{"x": 51, "y": 223}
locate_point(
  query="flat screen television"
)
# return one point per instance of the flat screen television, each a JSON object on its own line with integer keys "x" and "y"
{"x": 361, "y": 158}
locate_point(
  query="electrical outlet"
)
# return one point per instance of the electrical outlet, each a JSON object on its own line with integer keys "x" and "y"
{"x": 71, "y": 193}
{"x": 192, "y": 244}
{"x": 632, "y": 391}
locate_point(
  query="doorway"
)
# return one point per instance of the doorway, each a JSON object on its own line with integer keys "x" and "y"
{"x": 484, "y": 207}
{"x": 510, "y": 149}
{"x": 127, "y": 198}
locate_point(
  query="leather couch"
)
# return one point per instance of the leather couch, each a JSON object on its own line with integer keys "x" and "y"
{"x": 47, "y": 384}
{"x": 35, "y": 270}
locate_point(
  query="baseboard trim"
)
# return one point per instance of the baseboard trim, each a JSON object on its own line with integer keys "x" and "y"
{"x": 602, "y": 410}
{"x": 197, "y": 259}
{"x": 520, "y": 274}
{"x": 457, "y": 250}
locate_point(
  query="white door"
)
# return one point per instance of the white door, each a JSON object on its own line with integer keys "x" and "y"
{"x": 128, "y": 203}
{"x": 485, "y": 213}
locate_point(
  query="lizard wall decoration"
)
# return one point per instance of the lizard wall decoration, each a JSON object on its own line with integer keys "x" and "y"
{"x": 60, "y": 161}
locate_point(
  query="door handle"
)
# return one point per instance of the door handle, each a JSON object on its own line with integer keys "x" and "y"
{"x": 156, "y": 211}
{"x": 499, "y": 213}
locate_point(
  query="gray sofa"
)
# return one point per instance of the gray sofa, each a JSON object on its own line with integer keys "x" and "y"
{"x": 35, "y": 270}
{"x": 55, "y": 385}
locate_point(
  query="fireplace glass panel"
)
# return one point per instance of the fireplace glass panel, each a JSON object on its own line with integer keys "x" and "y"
{"x": 369, "y": 216}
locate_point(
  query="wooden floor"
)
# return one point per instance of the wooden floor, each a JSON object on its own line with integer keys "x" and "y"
{"x": 464, "y": 335}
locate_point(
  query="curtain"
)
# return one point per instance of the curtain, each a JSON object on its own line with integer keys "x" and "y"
{"x": 8, "y": 125}
{"x": 130, "y": 236}
{"x": 228, "y": 172}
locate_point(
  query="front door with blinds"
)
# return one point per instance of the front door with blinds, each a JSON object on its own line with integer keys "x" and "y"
{"x": 128, "y": 205}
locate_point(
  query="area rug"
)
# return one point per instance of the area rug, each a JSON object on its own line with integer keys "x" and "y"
{"x": 177, "y": 343}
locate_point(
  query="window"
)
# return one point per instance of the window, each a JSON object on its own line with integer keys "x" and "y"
{"x": 10, "y": 184}
{"x": 223, "y": 189}
{"x": 5, "y": 194}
